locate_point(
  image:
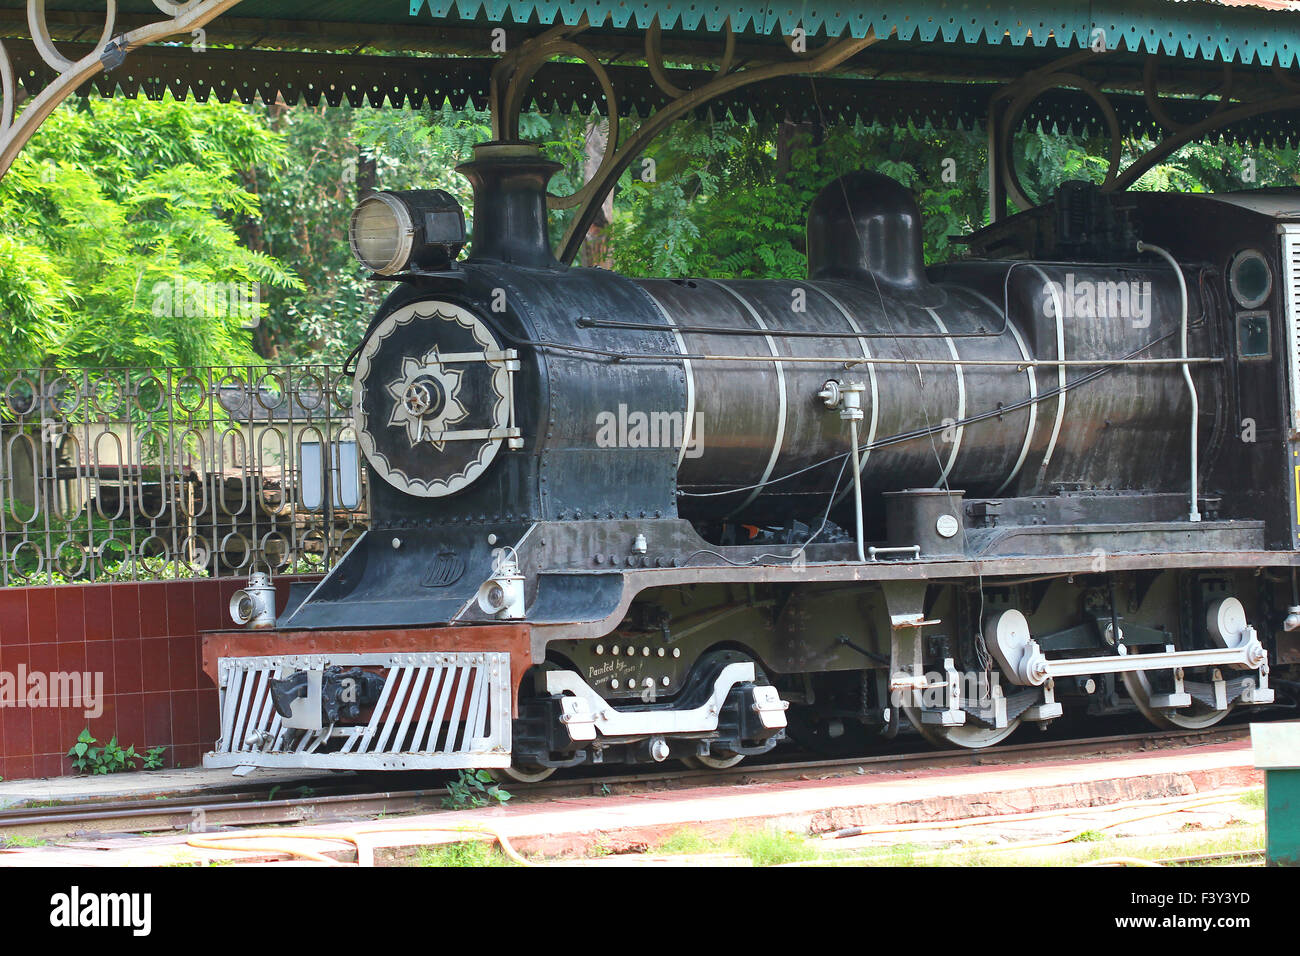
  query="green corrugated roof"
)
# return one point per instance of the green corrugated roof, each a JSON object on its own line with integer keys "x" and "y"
{"x": 1257, "y": 33}
{"x": 948, "y": 54}
{"x": 391, "y": 81}
{"x": 1203, "y": 30}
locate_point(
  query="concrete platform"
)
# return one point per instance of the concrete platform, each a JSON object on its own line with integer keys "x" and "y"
{"x": 572, "y": 826}
{"x": 143, "y": 785}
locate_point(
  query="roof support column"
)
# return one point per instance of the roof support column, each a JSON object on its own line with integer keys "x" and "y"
{"x": 998, "y": 157}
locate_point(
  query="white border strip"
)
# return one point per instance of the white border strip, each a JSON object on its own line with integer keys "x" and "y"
{"x": 782, "y": 401}
{"x": 961, "y": 397}
{"x": 689, "y": 427}
{"x": 1291, "y": 277}
{"x": 1060, "y": 372}
{"x": 1033, "y": 409}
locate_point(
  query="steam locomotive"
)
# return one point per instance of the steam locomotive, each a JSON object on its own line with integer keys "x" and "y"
{"x": 619, "y": 520}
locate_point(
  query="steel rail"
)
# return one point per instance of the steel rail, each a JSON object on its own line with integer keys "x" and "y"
{"x": 184, "y": 813}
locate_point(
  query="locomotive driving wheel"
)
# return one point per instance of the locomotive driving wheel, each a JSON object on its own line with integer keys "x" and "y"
{"x": 967, "y": 736}
{"x": 1197, "y": 716}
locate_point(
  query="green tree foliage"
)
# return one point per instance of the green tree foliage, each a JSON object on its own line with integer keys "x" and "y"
{"x": 337, "y": 153}
{"x": 421, "y": 150}
{"x": 306, "y": 204}
{"x": 115, "y": 202}
{"x": 1044, "y": 160}
{"x": 118, "y": 242}
{"x": 731, "y": 199}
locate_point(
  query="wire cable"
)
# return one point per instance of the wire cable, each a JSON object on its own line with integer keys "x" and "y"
{"x": 797, "y": 552}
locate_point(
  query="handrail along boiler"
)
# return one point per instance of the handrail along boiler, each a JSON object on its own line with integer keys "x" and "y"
{"x": 633, "y": 520}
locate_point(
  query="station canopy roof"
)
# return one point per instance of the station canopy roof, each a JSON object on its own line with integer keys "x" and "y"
{"x": 936, "y": 62}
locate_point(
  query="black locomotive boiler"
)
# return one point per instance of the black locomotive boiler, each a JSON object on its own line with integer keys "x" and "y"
{"x": 633, "y": 520}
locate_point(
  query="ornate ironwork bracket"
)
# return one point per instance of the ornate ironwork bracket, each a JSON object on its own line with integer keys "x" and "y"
{"x": 108, "y": 53}
{"x": 512, "y": 75}
{"x": 1008, "y": 107}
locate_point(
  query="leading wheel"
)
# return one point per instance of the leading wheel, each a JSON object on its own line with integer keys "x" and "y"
{"x": 968, "y": 736}
{"x": 719, "y": 761}
{"x": 1197, "y": 716}
{"x": 521, "y": 773}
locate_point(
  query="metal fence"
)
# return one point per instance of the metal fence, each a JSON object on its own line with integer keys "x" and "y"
{"x": 131, "y": 474}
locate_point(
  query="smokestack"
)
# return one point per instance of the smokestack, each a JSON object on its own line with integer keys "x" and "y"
{"x": 509, "y": 180}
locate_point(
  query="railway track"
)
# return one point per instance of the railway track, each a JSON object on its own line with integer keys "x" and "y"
{"x": 352, "y": 800}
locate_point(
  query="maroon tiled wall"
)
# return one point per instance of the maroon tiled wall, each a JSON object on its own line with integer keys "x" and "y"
{"x": 144, "y": 639}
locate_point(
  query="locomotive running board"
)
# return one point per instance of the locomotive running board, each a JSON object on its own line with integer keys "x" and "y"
{"x": 435, "y": 711}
